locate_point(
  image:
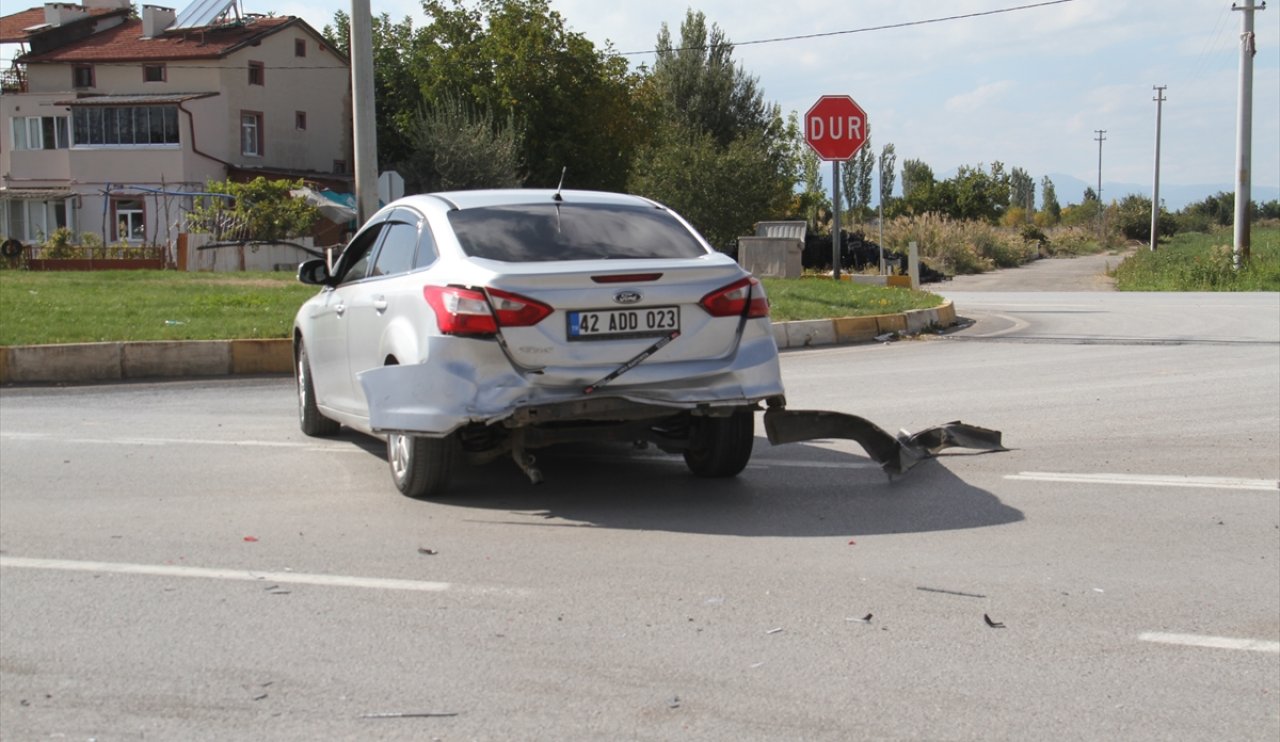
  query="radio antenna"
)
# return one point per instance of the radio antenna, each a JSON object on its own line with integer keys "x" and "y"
{"x": 557, "y": 195}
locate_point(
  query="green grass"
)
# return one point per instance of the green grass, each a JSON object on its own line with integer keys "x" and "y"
{"x": 1196, "y": 261}
{"x": 38, "y": 308}
{"x": 822, "y": 298}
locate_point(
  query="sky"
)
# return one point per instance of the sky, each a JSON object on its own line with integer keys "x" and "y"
{"x": 1028, "y": 87}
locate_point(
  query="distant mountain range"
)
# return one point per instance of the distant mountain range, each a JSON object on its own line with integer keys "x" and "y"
{"x": 1070, "y": 190}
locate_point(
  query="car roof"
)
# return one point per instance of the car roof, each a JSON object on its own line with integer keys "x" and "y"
{"x": 519, "y": 196}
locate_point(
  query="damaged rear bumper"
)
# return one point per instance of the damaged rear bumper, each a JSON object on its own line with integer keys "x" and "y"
{"x": 895, "y": 454}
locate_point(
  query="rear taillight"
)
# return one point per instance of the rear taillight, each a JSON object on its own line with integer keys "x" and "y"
{"x": 514, "y": 310}
{"x": 462, "y": 311}
{"x": 740, "y": 298}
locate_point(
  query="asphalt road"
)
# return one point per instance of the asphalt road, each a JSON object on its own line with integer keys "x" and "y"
{"x": 178, "y": 562}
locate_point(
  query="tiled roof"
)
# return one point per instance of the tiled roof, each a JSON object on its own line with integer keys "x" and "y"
{"x": 125, "y": 43}
{"x": 13, "y": 28}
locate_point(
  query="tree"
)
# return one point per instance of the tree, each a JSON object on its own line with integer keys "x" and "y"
{"x": 718, "y": 153}
{"x": 511, "y": 61}
{"x": 722, "y": 191}
{"x": 1022, "y": 191}
{"x": 1049, "y": 202}
{"x": 856, "y": 181}
{"x": 701, "y": 87}
{"x": 258, "y": 211}
{"x": 888, "y": 161}
{"x": 1133, "y": 219}
{"x": 457, "y": 147}
{"x": 917, "y": 186}
{"x": 396, "y": 93}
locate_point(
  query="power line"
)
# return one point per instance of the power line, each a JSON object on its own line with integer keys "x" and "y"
{"x": 904, "y": 24}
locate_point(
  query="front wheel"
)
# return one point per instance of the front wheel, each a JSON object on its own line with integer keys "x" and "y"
{"x": 721, "y": 446}
{"x": 310, "y": 419}
{"x": 421, "y": 467}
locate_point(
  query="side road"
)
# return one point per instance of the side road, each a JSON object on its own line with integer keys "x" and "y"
{"x": 117, "y": 361}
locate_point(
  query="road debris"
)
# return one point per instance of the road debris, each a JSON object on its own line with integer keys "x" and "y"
{"x": 864, "y": 619}
{"x": 950, "y": 592}
{"x": 673, "y": 702}
{"x": 776, "y": 630}
{"x": 409, "y": 714}
{"x": 251, "y": 539}
{"x": 992, "y": 624}
{"x": 428, "y": 552}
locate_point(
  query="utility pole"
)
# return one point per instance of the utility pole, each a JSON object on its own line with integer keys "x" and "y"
{"x": 1155, "y": 190}
{"x": 1101, "y": 211}
{"x": 1244, "y": 132}
{"x": 364, "y": 128}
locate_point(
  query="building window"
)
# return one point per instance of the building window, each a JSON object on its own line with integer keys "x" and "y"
{"x": 130, "y": 220}
{"x": 257, "y": 73}
{"x": 33, "y": 221}
{"x": 124, "y": 126}
{"x": 299, "y": 48}
{"x": 251, "y": 133}
{"x": 153, "y": 73}
{"x": 82, "y": 76}
{"x": 41, "y": 132}
{"x": 300, "y": 120}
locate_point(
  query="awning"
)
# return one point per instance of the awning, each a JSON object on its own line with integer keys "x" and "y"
{"x": 336, "y": 207}
{"x": 35, "y": 194}
{"x": 152, "y": 99}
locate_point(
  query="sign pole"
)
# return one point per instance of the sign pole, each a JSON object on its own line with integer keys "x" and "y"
{"x": 835, "y": 219}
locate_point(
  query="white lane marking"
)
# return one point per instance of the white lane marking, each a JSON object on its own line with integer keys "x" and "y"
{"x": 1150, "y": 480}
{"x": 294, "y": 578}
{"x": 1212, "y": 642}
{"x": 175, "y": 441}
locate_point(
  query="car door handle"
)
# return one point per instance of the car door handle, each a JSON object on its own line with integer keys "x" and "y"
{"x": 380, "y": 304}
{"x": 340, "y": 309}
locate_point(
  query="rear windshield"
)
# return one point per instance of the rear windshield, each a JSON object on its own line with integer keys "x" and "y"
{"x": 541, "y": 232}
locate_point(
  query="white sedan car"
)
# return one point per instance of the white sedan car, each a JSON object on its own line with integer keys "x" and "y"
{"x": 472, "y": 325}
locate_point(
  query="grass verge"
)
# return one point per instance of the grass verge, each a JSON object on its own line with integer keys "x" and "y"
{"x": 1196, "y": 261}
{"x": 38, "y": 308}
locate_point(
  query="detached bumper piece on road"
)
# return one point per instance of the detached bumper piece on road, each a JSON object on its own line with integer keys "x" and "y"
{"x": 895, "y": 454}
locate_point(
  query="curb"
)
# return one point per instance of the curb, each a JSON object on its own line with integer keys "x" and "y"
{"x": 160, "y": 359}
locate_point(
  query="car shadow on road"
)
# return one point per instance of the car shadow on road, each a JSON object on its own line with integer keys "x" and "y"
{"x": 799, "y": 490}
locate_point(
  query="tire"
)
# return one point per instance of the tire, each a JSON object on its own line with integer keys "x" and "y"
{"x": 312, "y": 422}
{"x": 721, "y": 446}
{"x": 421, "y": 467}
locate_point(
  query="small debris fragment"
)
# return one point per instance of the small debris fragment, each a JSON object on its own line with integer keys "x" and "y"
{"x": 755, "y": 665}
{"x": 673, "y": 702}
{"x": 852, "y": 542}
{"x": 776, "y": 630}
{"x": 885, "y": 337}
{"x": 251, "y": 539}
{"x": 260, "y": 697}
{"x": 409, "y": 715}
{"x": 428, "y": 552}
{"x": 864, "y": 619}
{"x": 950, "y": 592}
{"x": 992, "y": 624}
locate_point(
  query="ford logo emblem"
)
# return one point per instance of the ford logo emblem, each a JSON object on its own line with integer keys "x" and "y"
{"x": 627, "y": 297}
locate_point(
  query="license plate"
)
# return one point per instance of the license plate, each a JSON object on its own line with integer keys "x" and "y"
{"x": 613, "y": 324}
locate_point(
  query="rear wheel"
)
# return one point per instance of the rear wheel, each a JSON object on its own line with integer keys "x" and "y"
{"x": 721, "y": 446}
{"x": 310, "y": 419}
{"x": 421, "y": 467}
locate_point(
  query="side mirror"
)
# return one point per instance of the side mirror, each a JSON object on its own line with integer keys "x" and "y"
{"x": 314, "y": 272}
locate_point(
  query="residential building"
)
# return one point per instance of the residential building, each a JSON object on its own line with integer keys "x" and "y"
{"x": 110, "y": 120}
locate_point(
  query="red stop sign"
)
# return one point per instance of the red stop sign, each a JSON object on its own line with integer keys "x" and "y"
{"x": 835, "y": 127}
